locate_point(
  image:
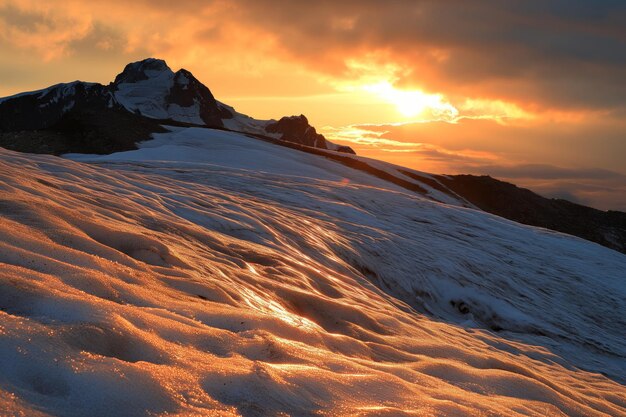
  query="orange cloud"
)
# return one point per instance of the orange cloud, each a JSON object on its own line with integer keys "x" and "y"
{"x": 521, "y": 55}
{"x": 525, "y": 81}
{"x": 42, "y": 28}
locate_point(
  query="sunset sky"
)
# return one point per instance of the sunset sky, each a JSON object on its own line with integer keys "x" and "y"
{"x": 532, "y": 92}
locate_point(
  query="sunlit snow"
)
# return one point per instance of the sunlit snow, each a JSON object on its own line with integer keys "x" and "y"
{"x": 209, "y": 273}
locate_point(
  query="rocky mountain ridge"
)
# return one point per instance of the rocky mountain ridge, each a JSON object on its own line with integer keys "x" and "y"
{"x": 146, "y": 89}
{"x": 91, "y": 118}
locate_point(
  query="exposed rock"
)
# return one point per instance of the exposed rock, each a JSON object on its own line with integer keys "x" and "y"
{"x": 44, "y": 108}
{"x": 101, "y": 131}
{"x": 343, "y": 148}
{"x": 148, "y": 89}
{"x": 298, "y": 130}
{"x": 138, "y": 71}
{"x": 607, "y": 228}
{"x": 152, "y": 89}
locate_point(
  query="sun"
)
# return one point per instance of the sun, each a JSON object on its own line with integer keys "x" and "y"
{"x": 414, "y": 103}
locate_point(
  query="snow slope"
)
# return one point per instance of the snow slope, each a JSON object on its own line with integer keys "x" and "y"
{"x": 243, "y": 123}
{"x": 208, "y": 273}
{"x": 149, "y": 96}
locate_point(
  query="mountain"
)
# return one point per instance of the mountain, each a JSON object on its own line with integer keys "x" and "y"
{"x": 211, "y": 272}
{"x": 608, "y": 228}
{"x": 145, "y": 95}
{"x": 151, "y": 89}
{"x": 148, "y": 98}
{"x": 181, "y": 258}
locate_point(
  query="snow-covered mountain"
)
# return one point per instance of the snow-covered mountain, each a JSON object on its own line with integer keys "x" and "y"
{"x": 213, "y": 273}
{"x": 148, "y": 89}
{"x": 152, "y": 89}
{"x": 213, "y": 264}
{"x": 147, "y": 96}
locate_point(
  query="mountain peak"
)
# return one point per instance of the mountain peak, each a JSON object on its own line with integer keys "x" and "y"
{"x": 150, "y": 88}
{"x": 146, "y": 89}
{"x": 142, "y": 70}
{"x": 182, "y": 77}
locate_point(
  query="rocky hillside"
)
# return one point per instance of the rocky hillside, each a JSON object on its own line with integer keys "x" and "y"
{"x": 607, "y": 228}
{"x": 94, "y": 118}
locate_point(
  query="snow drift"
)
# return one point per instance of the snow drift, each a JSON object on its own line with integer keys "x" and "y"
{"x": 209, "y": 273}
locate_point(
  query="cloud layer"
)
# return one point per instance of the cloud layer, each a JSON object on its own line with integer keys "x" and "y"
{"x": 552, "y": 54}
{"x": 582, "y": 162}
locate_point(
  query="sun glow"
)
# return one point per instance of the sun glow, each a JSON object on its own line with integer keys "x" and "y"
{"x": 414, "y": 103}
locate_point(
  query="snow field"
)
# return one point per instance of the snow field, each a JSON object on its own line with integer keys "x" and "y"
{"x": 212, "y": 274}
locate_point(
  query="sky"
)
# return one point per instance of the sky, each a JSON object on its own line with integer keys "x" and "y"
{"x": 533, "y": 92}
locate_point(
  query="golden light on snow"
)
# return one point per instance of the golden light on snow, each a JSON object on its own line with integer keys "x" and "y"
{"x": 275, "y": 309}
{"x": 209, "y": 289}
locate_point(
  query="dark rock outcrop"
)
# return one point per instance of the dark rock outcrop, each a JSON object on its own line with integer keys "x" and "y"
{"x": 137, "y": 71}
{"x": 100, "y": 131}
{"x": 145, "y": 94}
{"x": 298, "y": 130}
{"x": 86, "y": 117}
{"x": 187, "y": 91}
{"x": 75, "y": 117}
{"x": 44, "y": 108}
{"x": 608, "y": 228}
{"x": 344, "y": 149}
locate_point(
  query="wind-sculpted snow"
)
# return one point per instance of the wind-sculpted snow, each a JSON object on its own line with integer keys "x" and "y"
{"x": 234, "y": 277}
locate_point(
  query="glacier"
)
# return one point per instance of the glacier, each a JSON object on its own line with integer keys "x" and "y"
{"x": 211, "y": 273}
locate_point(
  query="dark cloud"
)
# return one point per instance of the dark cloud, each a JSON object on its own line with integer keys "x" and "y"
{"x": 557, "y": 53}
{"x": 565, "y": 194}
{"x": 101, "y": 42}
{"x": 430, "y": 153}
{"x": 554, "y": 53}
{"x": 25, "y": 19}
